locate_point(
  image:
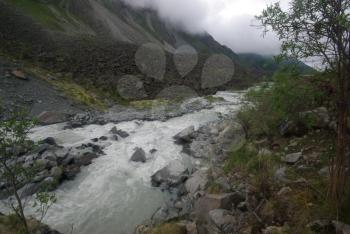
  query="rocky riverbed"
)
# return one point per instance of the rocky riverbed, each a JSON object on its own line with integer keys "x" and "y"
{"x": 114, "y": 171}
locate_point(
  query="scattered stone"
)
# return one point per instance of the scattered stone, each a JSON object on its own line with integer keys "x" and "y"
{"x": 221, "y": 218}
{"x": 29, "y": 189}
{"x": 280, "y": 175}
{"x": 197, "y": 181}
{"x": 216, "y": 201}
{"x": 84, "y": 159}
{"x": 264, "y": 153}
{"x": 122, "y": 134}
{"x": 273, "y": 230}
{"x": 56, "y": 172}
{"x": 114, "y": 130}
{"x": 115, "y": 137}
{"x": 283, "y": 191}
{"x": 139, "y": 156}
{"x": 171, "y": 175}
{"x": 243, "y": 206}
{"x": 71, "y": 171}
{"x": 19, "y": 74}
{"x": 292, "y": 158}
{"x": 152, "y": 151}
{"x": 94, "y": 140}
{"x": 341, "y": 227}
{"x": 185, "y": 136}
{"x": 52, "y": 117}
{"x": 103, "y": 138}
{"x": 49, "y": 141}
{"x": 325, "y": 172}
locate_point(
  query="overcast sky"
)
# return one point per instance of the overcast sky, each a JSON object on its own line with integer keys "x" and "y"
{"x": 229, "y": 21}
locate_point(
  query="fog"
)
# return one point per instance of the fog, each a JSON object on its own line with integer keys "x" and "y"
{"x": 231, "y": 22}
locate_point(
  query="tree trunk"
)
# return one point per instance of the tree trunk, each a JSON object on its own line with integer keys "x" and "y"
{"x": 338, "y": 169}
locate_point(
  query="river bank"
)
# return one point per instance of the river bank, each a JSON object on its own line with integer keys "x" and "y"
{"x": 113, "y": 185}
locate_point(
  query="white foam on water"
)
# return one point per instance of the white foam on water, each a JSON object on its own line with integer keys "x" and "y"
{"x": 113, "y": 195}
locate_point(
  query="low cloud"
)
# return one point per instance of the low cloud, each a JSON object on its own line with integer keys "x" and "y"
{"x": 229, "y": 21}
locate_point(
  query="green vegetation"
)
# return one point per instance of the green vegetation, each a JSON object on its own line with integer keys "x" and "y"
{"x": 284, "y": 101}
{"x": 13, "y": 142}
{"x": 149, "y": 104}
{"x": 168, "y": 228}
{"x": 213, "y": 99}
{"x": 40, "y": 11}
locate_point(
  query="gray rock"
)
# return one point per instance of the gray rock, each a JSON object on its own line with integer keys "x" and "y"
{"x": 216, "y": 201}
{"x": 131, "y": 88}
{"x": 264, "y": 152}
{"x": 292, "y": 158}
{"x": 341, "y": 228}
{"x": 84, "y": 159}
{"x": 70, "y": 171}
{"x": 284, "y": 191}
{"x": 325, "y": 172}
{"x": 52, "y": 117}
{"x": 49, "y": 141}
{"x": 185, "y": 136}
{"x": 56, "y": 172}
{"x": 171, "y": 175}
{"x": 280, "y": 175}
{"x": 222, "y": 218}
{"x": 197, "y": 181}
{"x": 29, "y": 189}
{"x": 139, "y": 156}
{"x": 41, "y": 176}
{"x": 103, "y": 138}
{"x": 119, "y": 132}
{"x": 165, "y": 213}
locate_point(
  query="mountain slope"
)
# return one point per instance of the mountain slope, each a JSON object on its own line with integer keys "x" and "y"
{"x": 94, "y": 42}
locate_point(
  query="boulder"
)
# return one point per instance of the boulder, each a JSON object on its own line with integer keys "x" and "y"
{"x": 341, "y": 228}
{"x": 325, "y": 172}
{"x": 273, "y": 230}
{"x": 119, "y": 132}
{"x": 197, "y": 181}
{"x": 84, "y": 159}
{"x": 210, "y": 202}
{"x": 29, "y": 189}
{"x": 70, "y": 172}
{"x": 52, "y": 117}
{"x": 56, "y": 172}
{"x": 222, "y": 218}
{"x": 19, "y": 74}
{"x": 283, "y": 191}
{"x": 139, "y": 156}
{"x": 292, "y": 158}
{"x": 171, "y": 175}
{"x": 281, "y": 176}
{"x": 318, "y": 117}
{"x": 103, "y": 138}
{"x": 49, "y": 141}
{"x": 185, "y": 136}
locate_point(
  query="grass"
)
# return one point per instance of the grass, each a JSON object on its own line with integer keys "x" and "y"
{"x": 213, "y": 99}
{"x": 149, "y": 104}
{"x": 11, "y": 224}
{"x": 80, "y": 94}
{"x": 168, "y": 228}
{"x": 38, "y": 11}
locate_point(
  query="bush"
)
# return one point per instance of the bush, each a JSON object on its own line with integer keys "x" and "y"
{"x": 271, "y": 105}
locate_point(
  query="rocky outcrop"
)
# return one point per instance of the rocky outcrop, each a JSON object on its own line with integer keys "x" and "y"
{"x": 170, "y": 176}
{"x": 53, "y": 164}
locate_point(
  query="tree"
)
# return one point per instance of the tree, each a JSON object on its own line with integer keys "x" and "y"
{"x": 13, "y": 145}
{"x": 321, "y": 29}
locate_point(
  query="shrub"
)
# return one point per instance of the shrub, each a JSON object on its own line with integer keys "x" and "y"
{"x": 272, "y": 104}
